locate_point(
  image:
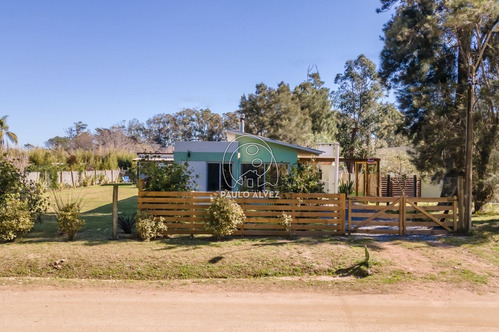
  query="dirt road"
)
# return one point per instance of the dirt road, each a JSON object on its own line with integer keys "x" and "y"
{"x": 148, "y": 309}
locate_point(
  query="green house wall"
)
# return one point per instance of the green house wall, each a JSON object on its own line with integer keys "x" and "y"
{"x": 249, "y": 150}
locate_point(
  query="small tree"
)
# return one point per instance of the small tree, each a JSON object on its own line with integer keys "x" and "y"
{"x": 223, "y": 216}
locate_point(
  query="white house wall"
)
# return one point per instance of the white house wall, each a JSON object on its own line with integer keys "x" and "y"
{"x": 199, "y": 168}
{"x": 327, "y": 172}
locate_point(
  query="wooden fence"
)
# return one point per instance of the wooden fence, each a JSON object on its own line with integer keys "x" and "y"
{"x": 312, "y": 214}
{"x": 393, "y": 186}
{"x": 402, "y": 215}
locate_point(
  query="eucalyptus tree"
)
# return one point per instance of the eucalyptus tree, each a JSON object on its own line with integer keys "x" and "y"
{"x": 441, "y": 57}
{"x": 363, "y": 114}
{"x": 315, "y": 100}
{"x": 276, "y": 113}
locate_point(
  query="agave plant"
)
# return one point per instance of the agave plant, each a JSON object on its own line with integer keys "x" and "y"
{"x": 346, "y": 188}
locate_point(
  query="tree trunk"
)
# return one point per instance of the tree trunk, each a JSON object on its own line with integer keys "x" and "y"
{"x": 468, "y": 160}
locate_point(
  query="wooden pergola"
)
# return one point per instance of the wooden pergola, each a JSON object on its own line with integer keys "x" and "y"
{"x": 360, "y": 166}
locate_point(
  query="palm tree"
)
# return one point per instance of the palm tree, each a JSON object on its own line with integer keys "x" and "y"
{"x": 5, "y": 134}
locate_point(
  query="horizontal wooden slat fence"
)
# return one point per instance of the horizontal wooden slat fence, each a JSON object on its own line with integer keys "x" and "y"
{"x": 312, "y": 214}
{"x": 402, "y": 215}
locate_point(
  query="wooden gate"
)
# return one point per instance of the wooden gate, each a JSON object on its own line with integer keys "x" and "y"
{"x": 402, "y": 215}
{"x": 376, "y": 215}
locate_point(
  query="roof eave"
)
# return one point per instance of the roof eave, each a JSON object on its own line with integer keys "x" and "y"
{"x": 299, "y": 148}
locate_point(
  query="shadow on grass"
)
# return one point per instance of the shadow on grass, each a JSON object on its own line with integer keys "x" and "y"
{"x": 187, "y": 242}
{"x": 483, "y": 231}
{"x": 97, "y": 229}
{"x": 359, "y": 270}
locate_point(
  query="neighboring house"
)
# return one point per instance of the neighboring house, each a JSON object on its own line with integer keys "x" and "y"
{"x": 243, "y": 162}
{"x": 161, "y": 158}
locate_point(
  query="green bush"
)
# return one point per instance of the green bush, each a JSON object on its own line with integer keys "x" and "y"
{"x": 171, "y": 177}
{"x": 285, "y": 221}
{"x": 148, "y": 227}
{"x": 223, "y": 216}
{"x": 14, "y": 183}
{"x": 68, "y": 216}
{"x": 15, "y": 218}
{"x": 37, "y": 203}
{"x": 301, "y": 179}
{"x": 10, "y": 179}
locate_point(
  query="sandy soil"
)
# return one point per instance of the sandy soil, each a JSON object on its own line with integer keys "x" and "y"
{"x": 208, "y": 308}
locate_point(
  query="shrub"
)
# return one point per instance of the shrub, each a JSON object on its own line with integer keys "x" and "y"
{"x": 88, "y": 181}
{"x": 14, "y": 218}
{"x": 172, "y": 177}
{"x": 10, "y": 179}
{"x": 126, "y": 221}
{"x": 68, "y": 216}
{"x": 37, "y": 203}
{"x": 301, "y": 179}
{"x": 285, "y": 221}
{"x": 148, "y": 227}
{"x": 223, "y": 216}
{"x": 14, "y": 183}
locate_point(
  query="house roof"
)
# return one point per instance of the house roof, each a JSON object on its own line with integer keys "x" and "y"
{"x": 231, "y": 135}
{"x": 154, "y": 156}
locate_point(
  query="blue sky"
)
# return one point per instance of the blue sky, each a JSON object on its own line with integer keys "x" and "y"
{"x": 104, "y": 61}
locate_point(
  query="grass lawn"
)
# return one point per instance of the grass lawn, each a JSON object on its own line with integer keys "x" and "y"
{"x": 468, "y": 261}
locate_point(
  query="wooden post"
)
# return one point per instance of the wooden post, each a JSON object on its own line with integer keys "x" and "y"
{"x": 349, "y": 213}
{"x": 367, "y": 182}
{"x": 415, "y": 193}
{"x": 242, "y": 202}
{"x": 114, "y": 234}
{"x": 402, "y": 215}
{"x": 379, "y": 180}
{"x": 342, "y": 214}
{"x": 460, "y": 197}
{"x": 295, "y": 200}
{"x": 454, "y": 213}
{"x": 192, "y": 200}
{"x": 356, "y": 178}
{"x": 388, "y": 189}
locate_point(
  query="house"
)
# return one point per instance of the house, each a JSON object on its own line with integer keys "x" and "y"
{"x": 244, "y": 162}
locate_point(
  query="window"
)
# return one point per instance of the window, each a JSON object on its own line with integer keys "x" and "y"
{"x": 253, "y": 177}
{"x": 219, "y": 176}
{"x": 213, "y": 176}
{"x": 261, "y": 177}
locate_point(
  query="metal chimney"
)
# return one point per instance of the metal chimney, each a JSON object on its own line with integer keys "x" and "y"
{"x": 242, "y": 123}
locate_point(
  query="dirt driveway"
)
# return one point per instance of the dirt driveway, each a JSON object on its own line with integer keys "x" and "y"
{"x": 25, "y": 308}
